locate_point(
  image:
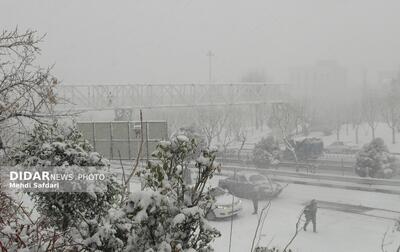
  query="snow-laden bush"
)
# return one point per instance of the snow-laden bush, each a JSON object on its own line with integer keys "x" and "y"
{"x": 192, "y": 132}
{"x": 266, "y": 152}
{"x": 55, "y": 145}
{"x": 374, "y": 160}
{"x": 168, "y": 215}
{"x": 64, "y": 148}
{"x": 166, "y": 176}
{"x": 21, "y": 231}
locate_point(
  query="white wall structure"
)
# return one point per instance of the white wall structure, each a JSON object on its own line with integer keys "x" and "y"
{"x": 122, "y": 139}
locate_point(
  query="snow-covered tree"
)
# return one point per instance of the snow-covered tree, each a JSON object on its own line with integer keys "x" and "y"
{"x": 283, "y": 119}
{"x": 189, "y": 228}
{"x": 338, "y": 120}
{"x": 227, "y": 138}
{"x": 26, "y": 89}
{"x": 391, "y": 108}
{"x": 240, "y": 132}
{"x": 374, "y": 160}
{"x": 212, "y": 123}
{"x": 266, "y": 152}
{"x": 192, "y": 132}
{"x": 356, "y": 118}
{"x": 370, "y": 110}
{"x": 303, "y": 115}
{"x": 168, "y": 215}
{"x": 57, "y": 147}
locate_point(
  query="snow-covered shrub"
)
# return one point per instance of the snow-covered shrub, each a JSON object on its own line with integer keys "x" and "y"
{"x": 168, "y": 215}
{"x": 189, "y": 229}
{"x": 55, "y": 146}
{"x": 266, "y": 152}
{"x": 21, "y": 231}
{"x": 193, "y": 132}
{"x": 374, "y": 160}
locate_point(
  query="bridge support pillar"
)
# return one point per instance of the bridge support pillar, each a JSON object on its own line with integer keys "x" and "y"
{"x": 259, "y": 114}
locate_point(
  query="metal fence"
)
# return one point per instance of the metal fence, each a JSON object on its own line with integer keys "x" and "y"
{"x": 122, "y": 139}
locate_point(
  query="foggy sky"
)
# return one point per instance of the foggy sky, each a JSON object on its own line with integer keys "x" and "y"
{"x": 167, "y": 40}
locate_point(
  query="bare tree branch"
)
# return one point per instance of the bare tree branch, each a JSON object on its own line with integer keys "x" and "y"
{"x": 297, "y": 230}
{"x": 260, "y": 224}
{"x": 26, "y": 90}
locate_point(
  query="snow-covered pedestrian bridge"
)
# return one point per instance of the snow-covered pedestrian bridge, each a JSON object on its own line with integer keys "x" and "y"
{"x": 134, "y": 96}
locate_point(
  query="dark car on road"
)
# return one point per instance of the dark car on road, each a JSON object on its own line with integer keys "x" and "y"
{"x": 246, "y": 185}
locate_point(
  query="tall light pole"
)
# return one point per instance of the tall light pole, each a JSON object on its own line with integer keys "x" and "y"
{"x": 210, "y": 55}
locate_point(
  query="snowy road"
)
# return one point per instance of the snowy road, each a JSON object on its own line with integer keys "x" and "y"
{"x": 337, "y": 230}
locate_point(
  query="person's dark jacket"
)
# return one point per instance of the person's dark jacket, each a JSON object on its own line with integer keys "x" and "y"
{"x": 310, "y": 210}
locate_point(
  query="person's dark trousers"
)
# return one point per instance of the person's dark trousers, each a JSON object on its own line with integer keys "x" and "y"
{"x": 255, "y": 205}
{"x": 314, "y": 222}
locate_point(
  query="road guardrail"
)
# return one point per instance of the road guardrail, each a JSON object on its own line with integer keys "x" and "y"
{"x": 349, "y": 179}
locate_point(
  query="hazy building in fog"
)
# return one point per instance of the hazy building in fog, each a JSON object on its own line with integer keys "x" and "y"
{"x": 386, "y": 78}
{"x": 389, "y": 81}
{"x": 326, "y": 79}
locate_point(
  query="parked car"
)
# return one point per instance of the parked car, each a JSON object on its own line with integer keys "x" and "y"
{"x": 340, "y": 147}
{"x": 222, "y": 206}
{"x": 245, "y": 185}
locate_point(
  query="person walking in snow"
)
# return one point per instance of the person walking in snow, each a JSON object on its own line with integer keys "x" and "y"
{"x": 310, "y": 212}
{"x": 255, "y": 198}
{"x": 255, "y": 205}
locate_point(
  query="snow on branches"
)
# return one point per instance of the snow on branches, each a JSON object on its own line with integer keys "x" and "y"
{"x": 21, "y": 231}
{"x": 64, "y": 148}
{"x": 168, "y": 215}
{"x": 26, "y": 90}
{"x": 166, "y": 176}
{"x": 374, "y": 160}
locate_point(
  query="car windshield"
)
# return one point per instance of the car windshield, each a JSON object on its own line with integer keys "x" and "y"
{"x": 217, "y": 191}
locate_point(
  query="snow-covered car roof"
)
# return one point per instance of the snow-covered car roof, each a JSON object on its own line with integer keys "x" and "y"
{"x": 248, "y": 176}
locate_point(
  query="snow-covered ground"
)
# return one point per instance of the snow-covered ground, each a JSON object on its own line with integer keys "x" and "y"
{"x": 347, "y": 134}
{"x": 337, "y": 231}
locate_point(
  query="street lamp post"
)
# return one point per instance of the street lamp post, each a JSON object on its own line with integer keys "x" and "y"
{"x": 210, "y": 55}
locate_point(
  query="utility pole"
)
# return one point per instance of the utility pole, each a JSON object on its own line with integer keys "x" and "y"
{"x": 364, "y": 76}
{"x": 210, "y": 55}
